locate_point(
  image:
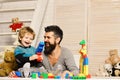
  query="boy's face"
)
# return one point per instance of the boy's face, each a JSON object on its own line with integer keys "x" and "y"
{"x": 27, "y": 39}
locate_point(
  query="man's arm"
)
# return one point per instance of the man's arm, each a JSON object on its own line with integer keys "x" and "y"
{"x": 70, "y": 62}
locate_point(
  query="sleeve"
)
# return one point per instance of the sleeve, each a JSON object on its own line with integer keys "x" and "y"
{"x": 20, "y": 59}
{"x": 19, "y": 56}
{"x": 70, "y": 62}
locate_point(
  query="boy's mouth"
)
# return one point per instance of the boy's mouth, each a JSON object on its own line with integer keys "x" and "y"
{"x": 27, "y": 43}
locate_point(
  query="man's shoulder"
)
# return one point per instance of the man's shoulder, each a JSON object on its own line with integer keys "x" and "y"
{"x": 65, "y": 50}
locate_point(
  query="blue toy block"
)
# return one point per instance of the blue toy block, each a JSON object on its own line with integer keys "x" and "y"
{"x": 40, "y": 47}
{"x": 18, "y": 73}
{"x": 57, "y": 77}
{"x": 85, "y": 61}
{"x": 66, "y": 76}
{"x": 39, "y": 74}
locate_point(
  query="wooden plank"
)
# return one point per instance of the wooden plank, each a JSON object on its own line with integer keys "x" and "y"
{"x": 17, "y": 9}
{"x": 38, "y": 18}
{"x": 8, "y": 33}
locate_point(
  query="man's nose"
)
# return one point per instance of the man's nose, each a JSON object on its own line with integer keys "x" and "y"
{"x": 45, "y": 39}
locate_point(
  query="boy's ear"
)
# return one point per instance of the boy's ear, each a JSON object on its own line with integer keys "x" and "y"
{"x": 19, "y": 38}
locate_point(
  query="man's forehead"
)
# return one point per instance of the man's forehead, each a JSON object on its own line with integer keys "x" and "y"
{"x": 49, "y": 34}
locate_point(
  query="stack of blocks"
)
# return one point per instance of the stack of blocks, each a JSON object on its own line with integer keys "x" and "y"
{"x": 39, "y": 51}
{"x": 83, "y": 60}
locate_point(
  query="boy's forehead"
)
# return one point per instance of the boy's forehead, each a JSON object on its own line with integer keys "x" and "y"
{"x": 28, "y": 34}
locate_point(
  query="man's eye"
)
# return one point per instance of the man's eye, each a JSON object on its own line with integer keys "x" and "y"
{"x": 48, "y": 37}
{"x": 44, "y": 37}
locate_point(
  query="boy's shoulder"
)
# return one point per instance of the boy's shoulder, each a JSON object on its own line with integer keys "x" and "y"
{"x": 17, "y": 47}
{"x": 20, "y": 47}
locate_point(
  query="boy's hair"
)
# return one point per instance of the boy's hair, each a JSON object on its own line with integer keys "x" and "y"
{"x": 57, "y": 31}
{"x": 24, "y": 30}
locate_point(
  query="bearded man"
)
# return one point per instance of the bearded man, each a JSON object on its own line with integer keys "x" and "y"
{"x": 56, "y": 59}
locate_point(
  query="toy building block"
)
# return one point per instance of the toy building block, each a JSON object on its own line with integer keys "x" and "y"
{"x": 44, "y": 75}
{"x": 57, "y": 77}
{"x": 50, "y": 75}
{"x": 18, "y": 73}
{"x": 34, "y": 75}
{"x": 66, "y": 76}
{"x": 39, "y": 51}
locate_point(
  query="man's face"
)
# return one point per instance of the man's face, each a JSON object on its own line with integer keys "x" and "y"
{"x": 50, "y": 42}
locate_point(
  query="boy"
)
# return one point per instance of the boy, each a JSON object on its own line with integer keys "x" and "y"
{"x": 25, "y": 55}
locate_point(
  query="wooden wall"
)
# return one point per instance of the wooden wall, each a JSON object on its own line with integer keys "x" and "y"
{"x": 70, "y": 15}
{"x": 96, "y": 21}
{"x": 10, "y": 9}
{"x": 103, "y": 30}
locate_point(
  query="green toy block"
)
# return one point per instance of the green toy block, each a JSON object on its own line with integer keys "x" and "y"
{"x": 34, "y": 75}
{"x": 45, "y": 75}
{"x": 82, "y": 42}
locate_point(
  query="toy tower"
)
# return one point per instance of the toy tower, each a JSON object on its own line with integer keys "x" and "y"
{"x": 39, "y": 51}
{"x": 83, "y": 60}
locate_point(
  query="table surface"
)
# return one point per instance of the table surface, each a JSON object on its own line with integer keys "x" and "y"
{"x": 92, "y": 78}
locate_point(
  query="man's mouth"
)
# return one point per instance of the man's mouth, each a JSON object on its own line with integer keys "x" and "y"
{"x": 46, "y": 44}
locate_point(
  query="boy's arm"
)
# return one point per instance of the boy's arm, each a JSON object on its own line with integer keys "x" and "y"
{"x": 21, "y": 59}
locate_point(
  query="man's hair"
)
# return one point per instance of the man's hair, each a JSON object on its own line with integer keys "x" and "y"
{"x": 57, "y": 31}
{"x": 24, "y": 30}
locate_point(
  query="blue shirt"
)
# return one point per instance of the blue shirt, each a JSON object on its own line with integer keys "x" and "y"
{"x": 26, "y": 51}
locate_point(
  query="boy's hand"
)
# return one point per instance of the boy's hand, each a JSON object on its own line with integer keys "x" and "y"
{"x": 33, "y": 57}
{"x": 11, "y": 74}
{"x": 40, "y": 58}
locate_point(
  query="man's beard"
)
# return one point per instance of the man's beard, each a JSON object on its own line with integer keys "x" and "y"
{"x": 48, "y": 49}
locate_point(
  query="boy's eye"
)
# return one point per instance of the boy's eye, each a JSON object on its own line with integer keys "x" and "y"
{"x": 31, "y": 39}
{"x": 26, "y": 37}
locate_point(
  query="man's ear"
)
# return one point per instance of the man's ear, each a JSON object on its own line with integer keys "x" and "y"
{"x": 58, "y": 39}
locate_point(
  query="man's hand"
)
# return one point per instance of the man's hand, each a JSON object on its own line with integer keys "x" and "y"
{"x": 63, "y": 75}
